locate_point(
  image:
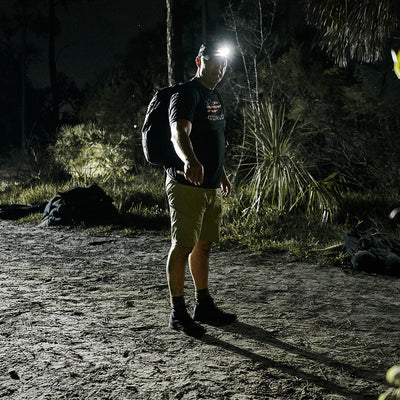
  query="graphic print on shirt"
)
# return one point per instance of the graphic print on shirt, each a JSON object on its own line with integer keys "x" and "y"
{"x": 213, "y": 111}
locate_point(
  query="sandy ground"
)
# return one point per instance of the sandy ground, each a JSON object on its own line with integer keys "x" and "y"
{"x": 85, "y": 317}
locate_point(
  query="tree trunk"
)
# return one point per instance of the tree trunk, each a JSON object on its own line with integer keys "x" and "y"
{"x": 174, "y": 41}
{"x": 23, "y": 76}
{"x": 52, "y": 65}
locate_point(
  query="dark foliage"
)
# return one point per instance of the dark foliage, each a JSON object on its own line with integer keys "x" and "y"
{"x": 10, "y": 90}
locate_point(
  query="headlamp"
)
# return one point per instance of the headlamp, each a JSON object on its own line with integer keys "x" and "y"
{"x": 223, "y": 51}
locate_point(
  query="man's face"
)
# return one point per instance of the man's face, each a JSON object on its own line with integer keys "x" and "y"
{"x": 212, "y": 69}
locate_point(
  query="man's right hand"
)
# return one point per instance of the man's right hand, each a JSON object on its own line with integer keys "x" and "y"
{"x": 194, "y": 173}
{"x": 193, "y": 170}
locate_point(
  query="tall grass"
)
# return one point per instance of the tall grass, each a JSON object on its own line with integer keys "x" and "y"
{"x": 274, "y": 230}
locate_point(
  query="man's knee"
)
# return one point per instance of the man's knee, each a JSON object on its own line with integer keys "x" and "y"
{"x": 180, "y": 251}
{"x": 203, "y": 246}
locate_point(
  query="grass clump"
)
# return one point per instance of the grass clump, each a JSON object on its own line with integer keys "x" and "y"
{"x": 272, "y": 230}
{"x": 31, "y": 193}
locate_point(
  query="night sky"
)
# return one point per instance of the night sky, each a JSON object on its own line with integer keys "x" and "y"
{"x": 92, "y": 34}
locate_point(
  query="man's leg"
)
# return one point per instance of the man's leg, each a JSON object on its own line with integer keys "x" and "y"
{"x": 176, "y": 265}
{"x": 180, "y": 319}
{"x": 198, "y": 262}
{"x": 205, "y": 310}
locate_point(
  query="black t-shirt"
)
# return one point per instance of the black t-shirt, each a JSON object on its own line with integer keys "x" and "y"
{"x": 204, "y": 109}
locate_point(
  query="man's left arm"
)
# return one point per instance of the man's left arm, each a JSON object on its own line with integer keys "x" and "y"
{"x": 225, "y": 184}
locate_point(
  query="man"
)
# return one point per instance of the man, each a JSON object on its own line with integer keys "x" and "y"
{"x": 195, "y": 189}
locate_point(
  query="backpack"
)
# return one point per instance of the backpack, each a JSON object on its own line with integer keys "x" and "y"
{"x": 370, "y": 254}
{"x": 86, "y": 206}
{"x": 156, "y": 133}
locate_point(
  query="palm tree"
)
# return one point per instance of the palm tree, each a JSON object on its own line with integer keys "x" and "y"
{"x": 354, "y": 30}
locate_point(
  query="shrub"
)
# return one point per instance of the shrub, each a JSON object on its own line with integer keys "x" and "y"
{"x": 87, "y": 154}
{"x": 277, "y": 172}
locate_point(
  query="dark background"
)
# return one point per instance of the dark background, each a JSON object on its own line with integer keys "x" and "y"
{"x": 92, "y": 34}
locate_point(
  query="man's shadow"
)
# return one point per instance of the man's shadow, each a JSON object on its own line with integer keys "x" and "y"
{"x": 269, "y": 338}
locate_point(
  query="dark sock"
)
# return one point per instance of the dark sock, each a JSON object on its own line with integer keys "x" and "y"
{"x": 177, "y": 302}
{"x": 202, "y": 294}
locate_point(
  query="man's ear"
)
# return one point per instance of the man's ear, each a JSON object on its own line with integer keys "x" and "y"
{"x": 198, "y": 62}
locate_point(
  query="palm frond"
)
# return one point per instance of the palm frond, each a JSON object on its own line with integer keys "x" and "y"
{"x": 275, "y": 169}
{"x": 355, "y": 30}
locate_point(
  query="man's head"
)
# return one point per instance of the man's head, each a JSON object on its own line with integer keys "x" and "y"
{"x": 211, "y": 63}
{"x": 214, "y": 49}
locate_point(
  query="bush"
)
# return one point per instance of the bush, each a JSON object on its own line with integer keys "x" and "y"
{"x": 116, "y": 103}
{"x": 86, "y": 152}
{"x": 275, "y": 160}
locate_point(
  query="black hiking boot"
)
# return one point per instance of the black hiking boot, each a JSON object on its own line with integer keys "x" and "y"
{"x": 207, "y": 312}
{"x": 181, "y": 321}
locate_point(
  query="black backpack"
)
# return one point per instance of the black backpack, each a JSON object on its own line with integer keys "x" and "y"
{"x": 156, "y": 133}
{"x": 87, "y": 206}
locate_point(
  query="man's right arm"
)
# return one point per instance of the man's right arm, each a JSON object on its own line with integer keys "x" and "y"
{"x": 180, "y": 137}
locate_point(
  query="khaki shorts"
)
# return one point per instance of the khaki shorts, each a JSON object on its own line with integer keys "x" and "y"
{"x": 195, "y": 213}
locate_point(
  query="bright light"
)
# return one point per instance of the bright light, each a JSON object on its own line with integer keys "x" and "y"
{"x": 394, "y": 56}
{"x": 224, "y": 51}
{"x": 396, "y": 62}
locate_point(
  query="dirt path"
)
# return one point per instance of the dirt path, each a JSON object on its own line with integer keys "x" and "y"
{"x": 85, "y": 317}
